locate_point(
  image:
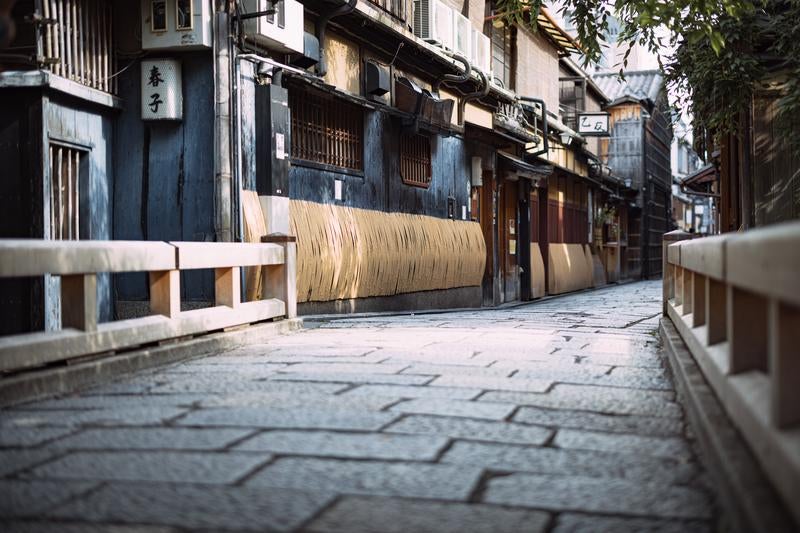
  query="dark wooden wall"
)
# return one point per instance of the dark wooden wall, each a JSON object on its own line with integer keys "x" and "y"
{"x": 165, "y": 174}
{"x": 21, "y": 118}
{"x": 381, "y": 188}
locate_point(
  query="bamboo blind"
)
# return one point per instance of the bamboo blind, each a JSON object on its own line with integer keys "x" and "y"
{"x": 80, "y": 46}
{"x": 344, "y": 252}
{"x": 254, "y": 229}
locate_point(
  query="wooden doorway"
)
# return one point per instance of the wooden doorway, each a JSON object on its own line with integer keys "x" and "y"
{"x": 509, "y": 241}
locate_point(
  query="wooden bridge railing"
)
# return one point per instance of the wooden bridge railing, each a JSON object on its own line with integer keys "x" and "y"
{"x": 735, "y": 301}
{"x": 79, "y": 262}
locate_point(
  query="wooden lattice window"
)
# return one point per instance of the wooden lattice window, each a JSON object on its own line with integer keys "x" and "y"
{"x": 415, "y": 160}
{"x": 79, "y": 46}
{"x": 397, "y": 8}
{"x": 65, "y": 174}
{"x": 327, "y": 131}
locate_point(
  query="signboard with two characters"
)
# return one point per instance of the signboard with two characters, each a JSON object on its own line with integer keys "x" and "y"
{"x": 162, "y": 92}
{"x": 593, "y": 124}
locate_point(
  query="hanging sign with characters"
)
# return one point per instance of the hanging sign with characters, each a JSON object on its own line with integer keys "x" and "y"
{"x": 162, "y": 96}
{"x": 593, "y": 124}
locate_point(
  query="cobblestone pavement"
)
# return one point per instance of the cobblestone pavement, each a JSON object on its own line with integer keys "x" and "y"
{"x": 555, "y": 416}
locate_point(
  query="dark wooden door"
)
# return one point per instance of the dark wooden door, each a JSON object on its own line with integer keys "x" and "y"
{"x": 510, "y": 233}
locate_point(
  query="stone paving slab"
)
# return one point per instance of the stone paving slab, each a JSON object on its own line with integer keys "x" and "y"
{"x": 554, "y": 416}
{"x": 469, "y": 429}
{"x": 612, "y": 496}
{"x": 578, "y": 523}
{"x": 31, "y": 498}
{"x": 673, "y": 447}
{"x": 164, "y": 466}
{"x": 446, "y": 407}
{"x": 385, "y": 515}
{"x": 411, "y": 480}
{"x": 409, "y": 392}
{"x": 565, "y": 418}
{"x": 151, "y": 439}
{"x": 563, "y": 462}
{"x": 352, "y": 445}
{"x": 198, "y": 507}
{"x": 610, "y": 400}
{"x": 289, "y": 419}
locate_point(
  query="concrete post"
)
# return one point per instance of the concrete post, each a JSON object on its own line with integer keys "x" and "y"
{"x": 667, "y": 272}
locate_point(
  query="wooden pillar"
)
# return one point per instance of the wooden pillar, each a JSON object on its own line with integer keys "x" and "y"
{"x": 670, "y": 272}
{"x": 699, "y": 282}
{"x": 716, "y": 311}
{"x": 687, "y": 289}
{"x": 747, "y": 330}
{"x": 678, "y": 289}
{"x": 280, "y": 281}
{"x": 228, "y": 286}
{"x": 784, "y": 363}
{"x": 165, "y": 293}
{"x": 79, "y": 302}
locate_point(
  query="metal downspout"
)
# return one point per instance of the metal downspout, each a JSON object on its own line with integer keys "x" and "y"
{"x": 454, "y": 78}
{"x": 477, "y": 95}
{"x": 223, "y": 202}
{"x": 545, "y": 131}
{"x": 322, "y": 25}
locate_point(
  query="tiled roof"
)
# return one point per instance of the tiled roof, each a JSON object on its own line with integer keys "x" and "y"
{"x": 641, "y": 85}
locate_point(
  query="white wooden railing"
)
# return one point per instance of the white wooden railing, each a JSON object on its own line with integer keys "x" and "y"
{"x": 735, "y": 301}
{"x": 79, "y": 262}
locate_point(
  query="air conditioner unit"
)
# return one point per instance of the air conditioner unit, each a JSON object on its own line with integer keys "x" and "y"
{"x": 433, "y": 21}
{"x": 282, "y": 31}
{"x": 462, "y": 35}
{"x": 481, "y": 52}
{"x": 176, "y": 24}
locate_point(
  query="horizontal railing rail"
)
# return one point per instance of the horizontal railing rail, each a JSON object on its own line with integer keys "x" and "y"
{"x": 735, "y": 301}
{"x": 78, "y": 263}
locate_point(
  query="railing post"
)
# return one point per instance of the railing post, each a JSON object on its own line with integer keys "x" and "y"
{"x": 280, "y": 281}
{"x": 699, "y": 282}
{"x": 747, "y": 330}
{"x": 784, "y": 364}
{"x": 165, "y": 293}
{"x": 227, "y": 286}
{"x": 716, "y": 310}
{"x": 79, "y": 302}
{"x": 668, "y": 271}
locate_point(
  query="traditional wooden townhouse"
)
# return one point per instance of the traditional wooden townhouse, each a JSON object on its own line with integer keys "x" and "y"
{"x": 414, "y": 148}
{"x": 639, "y": 151}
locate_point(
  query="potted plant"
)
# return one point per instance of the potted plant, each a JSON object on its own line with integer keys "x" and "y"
{"x": 604, "y": 215}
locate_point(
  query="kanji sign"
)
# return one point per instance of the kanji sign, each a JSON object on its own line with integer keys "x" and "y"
{"x": 593, "y": 124}
{"x": 162, "y": 92}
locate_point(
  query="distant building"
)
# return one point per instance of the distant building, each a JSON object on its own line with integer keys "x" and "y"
{"x": 639, "y": 151}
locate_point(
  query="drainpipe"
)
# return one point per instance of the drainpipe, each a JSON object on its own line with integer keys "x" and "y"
{"x": 238, "y": 171}
{"x": 223, "y": 204}
{"x": 545, "y": 131}
{"x": 454, "y": 78}
{"x": 322, "y": 25}
{"x": 462, "y": 106}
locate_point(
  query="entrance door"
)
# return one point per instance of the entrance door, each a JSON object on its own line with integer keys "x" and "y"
{"x": 486, "y": 217}
{"x": 510, "y": 241}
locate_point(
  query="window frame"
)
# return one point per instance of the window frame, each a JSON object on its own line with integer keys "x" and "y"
{"x": 421, "y": 155}
{"x": 326, "y": 136}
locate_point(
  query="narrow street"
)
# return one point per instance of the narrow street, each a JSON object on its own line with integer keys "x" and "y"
{"x": 554, "y": 416}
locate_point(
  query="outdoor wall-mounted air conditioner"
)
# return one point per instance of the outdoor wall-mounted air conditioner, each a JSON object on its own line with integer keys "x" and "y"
{"x": 462, "y": 35}
{"x": 282, "y": 31}
{"x": 433, "y": 21}
{"x": 176, "y": 24}
{"x": 481, "y": 57}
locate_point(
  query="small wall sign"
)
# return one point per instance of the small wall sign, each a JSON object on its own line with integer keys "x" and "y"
{"x": 593, "y": 124}
{"x": 162, "y": 90}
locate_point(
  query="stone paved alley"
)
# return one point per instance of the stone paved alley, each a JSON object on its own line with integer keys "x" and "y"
{"x": 554, "y": 416}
